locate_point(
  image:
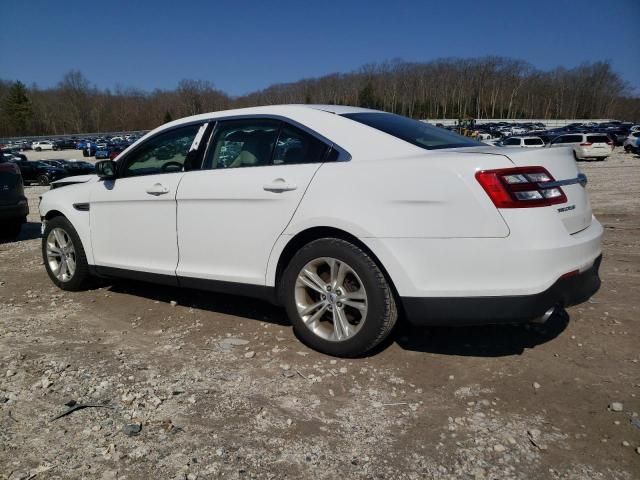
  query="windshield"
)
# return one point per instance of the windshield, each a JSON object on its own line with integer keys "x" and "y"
{"x": 417, "y": 133}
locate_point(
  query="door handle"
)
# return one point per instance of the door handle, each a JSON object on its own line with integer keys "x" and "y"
{"x": 279, "y": 185}
{"x": 157, "y": 189}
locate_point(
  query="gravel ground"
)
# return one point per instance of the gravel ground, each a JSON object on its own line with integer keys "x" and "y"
{"x": 214, "y": 385}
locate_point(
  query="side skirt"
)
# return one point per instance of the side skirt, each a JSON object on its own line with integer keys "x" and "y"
{"x": 232, "y": 288}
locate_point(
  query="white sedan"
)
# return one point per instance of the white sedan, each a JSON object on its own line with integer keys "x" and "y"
{"x": 350, "y": 218}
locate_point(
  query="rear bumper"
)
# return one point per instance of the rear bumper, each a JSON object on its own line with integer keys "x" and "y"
{"x": 15, "y": 211}
{"x": 592, "y": 153}
{"x": 460, "y": 311}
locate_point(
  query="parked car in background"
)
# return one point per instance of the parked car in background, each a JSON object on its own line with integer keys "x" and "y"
{"x": 72, "y": 167}
{"x": 116, "y": 150}
{"x": 522, "y": 142}
{"x": 14, "y": 207}
{"x": 39, "y": 172}
{"x": 13, "y": 152}
{"x": 270, "y": 202}
{"x": 631, "y": 141}
{"x": 42, "y": 145}
{"x": 585, "y": 146}
{"x": 102, "y": 151}
{"x": 64, "y": 144}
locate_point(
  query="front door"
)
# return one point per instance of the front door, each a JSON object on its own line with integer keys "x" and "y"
{"x": 133, "y": 218}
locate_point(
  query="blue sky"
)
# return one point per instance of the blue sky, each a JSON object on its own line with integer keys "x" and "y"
{"x": 242, "y": 46}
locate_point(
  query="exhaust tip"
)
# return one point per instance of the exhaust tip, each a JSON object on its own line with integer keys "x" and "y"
{"x": 544, "y": 317}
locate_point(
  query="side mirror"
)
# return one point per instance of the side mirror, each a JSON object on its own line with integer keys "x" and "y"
{"x": 106, "y": 169}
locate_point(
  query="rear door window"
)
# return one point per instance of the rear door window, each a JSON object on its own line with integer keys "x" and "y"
{"x": 243, "y": 143}
{"x": 533, "y": 141}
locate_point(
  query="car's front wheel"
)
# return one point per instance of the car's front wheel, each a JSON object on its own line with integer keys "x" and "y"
{"x": 43, "y": 180}
{"x": 38, "y": 149}
{"x": 64, "y": 256}
{"x": 337, "y": 298}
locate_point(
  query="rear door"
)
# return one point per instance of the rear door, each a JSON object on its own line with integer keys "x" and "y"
{"x": 231, "y": 213}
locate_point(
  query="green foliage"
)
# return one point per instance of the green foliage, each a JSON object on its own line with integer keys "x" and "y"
{"x": 17, "y": 107}
{"x": 367, "y": 97}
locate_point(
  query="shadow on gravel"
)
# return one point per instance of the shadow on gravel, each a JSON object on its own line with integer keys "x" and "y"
{"x": 30, "y": 230}
{"x": 213, "y": 302}
{"x": 482, "y": 341}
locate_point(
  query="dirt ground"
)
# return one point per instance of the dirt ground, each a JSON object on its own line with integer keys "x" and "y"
{"x": 218, "y": 386}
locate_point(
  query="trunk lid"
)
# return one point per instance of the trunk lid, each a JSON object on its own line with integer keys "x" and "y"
{"x": 576, "y": 214}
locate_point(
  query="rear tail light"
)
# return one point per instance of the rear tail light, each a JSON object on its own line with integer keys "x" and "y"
{"x": 521, "y": 187}
{"x": 586, "y": 144}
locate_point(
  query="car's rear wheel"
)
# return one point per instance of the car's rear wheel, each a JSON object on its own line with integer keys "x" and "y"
{"x": 337, "y": 298}
{"x": 38, "y": 149}
{"x": 63, "y": 255}
{"x": 43, "y": 180}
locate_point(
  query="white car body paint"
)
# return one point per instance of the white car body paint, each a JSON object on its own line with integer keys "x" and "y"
{"x": 422, "y": 213}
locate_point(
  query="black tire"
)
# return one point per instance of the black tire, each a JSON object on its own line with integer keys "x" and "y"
{"x": 43, "y": 180}
{"x": 381, "y": 314}
{"x": 11, "y": 229}
{"x": 38, "y": 149}
{"x": 628, "y": 148}
{"x": 81, "y": 279}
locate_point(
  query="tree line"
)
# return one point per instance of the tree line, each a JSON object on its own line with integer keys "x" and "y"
{"x": 488, "y": 87}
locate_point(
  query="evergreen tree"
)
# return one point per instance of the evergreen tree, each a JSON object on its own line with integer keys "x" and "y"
{"x": 367, "y": 96}
{"x": 17, "y": 108}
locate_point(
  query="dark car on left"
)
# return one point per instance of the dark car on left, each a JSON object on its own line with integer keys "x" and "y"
{"x": 72, "y": 167}
{"x": 14, "y": 207}
{"x": 39, "y": 172}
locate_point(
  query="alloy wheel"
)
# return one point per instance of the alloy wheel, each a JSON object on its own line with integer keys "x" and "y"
{"x": 331, "y": 299}
{"x": 61, "y": 254}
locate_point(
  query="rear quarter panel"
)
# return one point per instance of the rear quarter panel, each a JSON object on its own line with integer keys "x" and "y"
{"x": 431, "y": 195}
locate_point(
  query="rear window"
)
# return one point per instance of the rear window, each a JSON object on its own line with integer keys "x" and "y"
{"x": 417, "y": 133}
{"x": 597, "y": 138}
{"x": 533, "y": 141}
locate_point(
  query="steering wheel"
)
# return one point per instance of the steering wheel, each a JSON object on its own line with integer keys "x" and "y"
{"x": 170, "y": 166}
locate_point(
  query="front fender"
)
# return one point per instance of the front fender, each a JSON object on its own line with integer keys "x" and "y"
{"x": 70, "y": 201}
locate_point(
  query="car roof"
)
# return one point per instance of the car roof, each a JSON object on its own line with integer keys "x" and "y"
{"x": 325, "y": 120}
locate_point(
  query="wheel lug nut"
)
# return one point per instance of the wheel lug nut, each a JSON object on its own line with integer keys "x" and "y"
{"x": 339, "y": 305}
{"x": 328, "y": 288}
